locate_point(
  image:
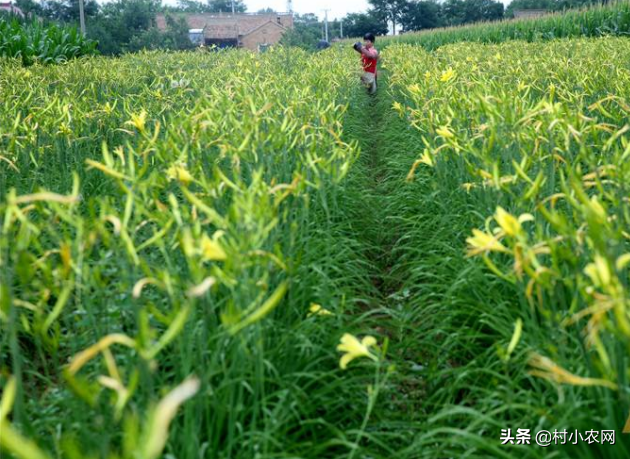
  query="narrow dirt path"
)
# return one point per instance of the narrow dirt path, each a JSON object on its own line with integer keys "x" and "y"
{"x": 379, "y": 234}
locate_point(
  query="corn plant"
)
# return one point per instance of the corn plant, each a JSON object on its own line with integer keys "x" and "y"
{"x": 36, "y": 43}
{"x": 612, "y": 19}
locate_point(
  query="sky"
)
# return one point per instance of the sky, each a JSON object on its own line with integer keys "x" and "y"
{"x": 338, "y": 8}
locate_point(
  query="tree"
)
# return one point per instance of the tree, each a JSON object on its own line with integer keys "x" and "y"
{"x": 358, "y": 24}
{"x": 457, "y": 12}
{"x": 225, "y": 6}
{"x": 67, "y": 11}
{"x": 119, "y": 22}
{"x": 174, "y": 38}
{"x": 306, "y": 32}
{"x": 392, "y": 10}
{"x": 30, "y": 7}
{"x": 419, "y": 15}
{"x": 266, "y": 11}
{"x": 188, "y": 6}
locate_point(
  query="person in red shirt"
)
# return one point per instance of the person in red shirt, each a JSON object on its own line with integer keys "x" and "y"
{"x": 369, "y": 58}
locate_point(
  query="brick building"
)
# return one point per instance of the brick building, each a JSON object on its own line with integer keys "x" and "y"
{"x": 251, "y": 31}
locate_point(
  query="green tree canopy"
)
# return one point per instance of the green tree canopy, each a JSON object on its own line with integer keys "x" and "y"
{"x": 226, "y": 6}
{"x": 306, "y": 32}
{"x": 358, "y": 24}
{"x": 391, "y": 10}
{"x": 418, "y": 15}
{"x": 67, "y": 11}
{"x": 457, "y": 12}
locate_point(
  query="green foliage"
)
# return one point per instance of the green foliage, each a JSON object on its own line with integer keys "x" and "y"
{"x": 514, "y": 235}
{"x": 421, "y": 15}
{"x": 306, "y": 33}
{"x": 174, "y": 38}
{"x": 390, "y": 10}
{"x": 458, "y": 12}
{"x": 358, "y": 24}
{"x": 129, "y": 25}
{"x": 30, "y": 7}
{"x": 46, "y": 44}
{"x": 226, "y": 6}
{"x": 175, "y": 214}
{"x": 67, "y": 11}
{"x": 549, "y": 5}
{"x": 188, "y": 6}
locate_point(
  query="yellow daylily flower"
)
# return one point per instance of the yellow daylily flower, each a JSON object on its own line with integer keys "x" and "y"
{"x": 426, "y": 158}
{"x": 318, "y": 310}
{"x": 483, "y": 242}
{"x": 414, "y": 88}
{"x": 508, "y": 222}
{"x": 445, "y": 132}
{"x": 179, "y": 173}
{"x": 138, "y": 120}
{"x": 448, "y": 75}
{"x": 211, "y": 249}
{"x": 599, "y": 272}
{"x": 398, "y": 107}
{"x": 354, "y": 348}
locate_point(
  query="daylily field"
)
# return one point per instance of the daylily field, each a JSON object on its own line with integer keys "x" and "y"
{"x": 238, "y": 255}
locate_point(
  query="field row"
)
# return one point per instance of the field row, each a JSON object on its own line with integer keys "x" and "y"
{"x": 528, "y": 145}
{"x": 154, "y": 217}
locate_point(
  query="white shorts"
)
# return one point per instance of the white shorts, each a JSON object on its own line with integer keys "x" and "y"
{"x": 369, "y": 80}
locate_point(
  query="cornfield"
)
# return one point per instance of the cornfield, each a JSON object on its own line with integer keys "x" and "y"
{"x": 612, "y": 19}
{"x": 45, "y": 44}
{"x": 232, "y": 255}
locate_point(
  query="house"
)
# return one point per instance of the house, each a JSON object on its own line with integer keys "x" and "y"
{"x": 10, "y": 8}
{"x": 251, "y": 31}
{"x": 526, "y": 14}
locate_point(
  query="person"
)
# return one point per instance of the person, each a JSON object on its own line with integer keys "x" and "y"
{"x": 323, "y": 44}
{"x": 369, "y": 58}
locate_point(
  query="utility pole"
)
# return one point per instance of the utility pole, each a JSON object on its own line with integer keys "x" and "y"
{"x": 82, "y": 17}
{"x": 233, "y": 9}
{"x": 341, "y": 28}
{"x": 326, "y": 24}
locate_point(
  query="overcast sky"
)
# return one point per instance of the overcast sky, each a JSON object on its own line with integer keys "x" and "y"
{"x": 338, "y": 8}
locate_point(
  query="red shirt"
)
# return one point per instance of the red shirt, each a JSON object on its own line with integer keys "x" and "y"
{"x": 369, "y": 60}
